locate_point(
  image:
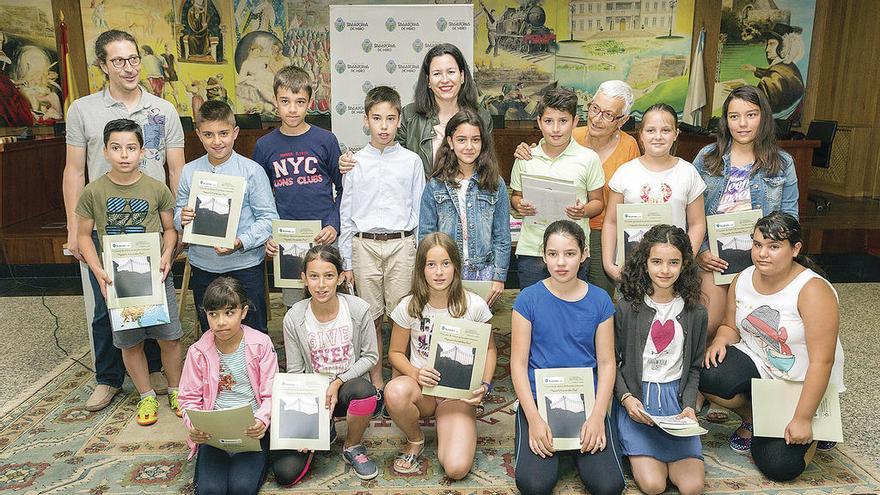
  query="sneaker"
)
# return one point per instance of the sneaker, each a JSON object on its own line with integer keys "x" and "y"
{"x": 825, "y": 446}
{"x": 174, "y": 403}
{"x": 101, "y": 397}
{"x": 741, "y": 444}
{"x": 362, "y": 465}
{"x": 159, "y": 383}
{"x": 148, "y": 411}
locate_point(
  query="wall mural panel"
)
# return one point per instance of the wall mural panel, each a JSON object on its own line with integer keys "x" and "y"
{"x": 766, "y": 43}
{"x": 30, "y": 91}
{"x": 230, "y": 49}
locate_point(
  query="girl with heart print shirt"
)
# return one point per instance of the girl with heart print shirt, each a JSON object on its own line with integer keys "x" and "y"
{"x": 660, "y": 337}
{"x": 655, "y": 177}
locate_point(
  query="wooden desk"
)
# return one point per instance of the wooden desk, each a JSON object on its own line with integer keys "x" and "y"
{"x": 30, "y": 179}
{"x": 506, "y": 141}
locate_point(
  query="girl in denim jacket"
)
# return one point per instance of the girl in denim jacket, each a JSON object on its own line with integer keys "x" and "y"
{"x": 466, "y": 198}
{"x": 744, "y": 170}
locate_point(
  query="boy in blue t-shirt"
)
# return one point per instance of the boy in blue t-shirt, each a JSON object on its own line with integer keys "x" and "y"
{"x": 302, "y": 162}
{"x": 216, "y": 129}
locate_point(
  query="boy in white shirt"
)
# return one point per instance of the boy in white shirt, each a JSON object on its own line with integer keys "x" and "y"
{"x": 379, "y": 214}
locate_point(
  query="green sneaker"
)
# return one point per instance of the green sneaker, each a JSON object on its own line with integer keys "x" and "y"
{"x": 148, "y": 411}
{"x": 174, "y": 403}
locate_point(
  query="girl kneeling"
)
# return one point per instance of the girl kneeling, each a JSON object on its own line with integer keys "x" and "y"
{"x": 437, "y": 290}
{"x": 332, "y": 334}
{"x": 659, "y": 336}
{"x": 563, "y": 322}
{"x": 230, "y": 366}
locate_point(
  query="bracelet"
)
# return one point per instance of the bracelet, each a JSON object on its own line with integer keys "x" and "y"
{"x": 489, "y": 387}
{"x": 625, "y": 396}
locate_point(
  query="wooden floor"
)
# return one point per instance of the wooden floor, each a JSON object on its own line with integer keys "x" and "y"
{"x": 847, "y": 226}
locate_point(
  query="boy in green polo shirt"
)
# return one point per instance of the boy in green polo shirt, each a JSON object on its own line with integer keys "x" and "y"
{"x": 557, "y": 155}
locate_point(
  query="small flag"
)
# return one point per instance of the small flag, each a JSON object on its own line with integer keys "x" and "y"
{"x": 696, "y": 94}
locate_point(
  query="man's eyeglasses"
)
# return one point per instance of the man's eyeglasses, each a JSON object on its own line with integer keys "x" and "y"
{"x": 593, "y": 110}
{"x": 134, "y": 61}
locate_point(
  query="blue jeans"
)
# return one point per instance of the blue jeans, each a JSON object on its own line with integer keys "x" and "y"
{"x": 219, "y": 472}
{"x": 252, "y": 280}
{"x": 532, "y": 269}
{"x": 109, "y": 368}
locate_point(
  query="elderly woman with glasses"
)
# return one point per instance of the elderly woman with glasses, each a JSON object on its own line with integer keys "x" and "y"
{"x": 606, "y": 114}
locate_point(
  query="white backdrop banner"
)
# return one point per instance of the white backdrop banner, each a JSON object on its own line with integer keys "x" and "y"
{"x": 375, "y": 45}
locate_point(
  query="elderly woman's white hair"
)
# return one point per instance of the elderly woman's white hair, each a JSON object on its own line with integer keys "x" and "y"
{"x": 619, "y": 90}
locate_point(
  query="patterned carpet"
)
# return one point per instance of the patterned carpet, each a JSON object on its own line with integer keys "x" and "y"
{"x": 50, "y": 444}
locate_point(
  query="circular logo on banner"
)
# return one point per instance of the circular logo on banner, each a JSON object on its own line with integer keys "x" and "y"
{"x": 340, "y": 66}
{"x": 366, "y": 130}
{"x": 367, "y": 45}
{"x": 339, "y": 24}
{"x": 390, "y": 24}
{"x": 418, "y": 45}
{"x": 441, "y": 24}
{"x": 340, "y": 108}
{"x": 367, "y": 86}
{"x": 391, "y": 66}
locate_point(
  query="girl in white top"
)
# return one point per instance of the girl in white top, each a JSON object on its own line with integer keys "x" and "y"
{"x": 436, "y": 290}
{"x": 782, "y": 323}
{"x": 655, "y": 177}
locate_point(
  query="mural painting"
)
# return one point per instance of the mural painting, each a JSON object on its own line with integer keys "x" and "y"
{"x": 30, "y": 91}
{"x": 525, "y": 47}
{"x": 765, "y": 43}
{"x": 184, "y": 46}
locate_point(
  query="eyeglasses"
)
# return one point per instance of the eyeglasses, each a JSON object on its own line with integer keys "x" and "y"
{"x": 594, "y": 110}
{"x": 133, "y": 61}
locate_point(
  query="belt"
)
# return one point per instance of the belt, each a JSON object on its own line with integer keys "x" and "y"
{"x": 385, "y": 236}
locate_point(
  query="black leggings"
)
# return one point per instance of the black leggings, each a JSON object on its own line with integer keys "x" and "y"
{"x": 601, "y": 472}
{"x": 290, "y": 466}
{"x": 775, "y": 459}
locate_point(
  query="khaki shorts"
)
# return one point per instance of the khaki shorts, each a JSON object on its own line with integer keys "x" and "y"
{"x": 383, "y": 271}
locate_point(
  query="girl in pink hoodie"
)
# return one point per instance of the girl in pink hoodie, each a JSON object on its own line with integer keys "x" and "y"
{"x": 230, "y": 366}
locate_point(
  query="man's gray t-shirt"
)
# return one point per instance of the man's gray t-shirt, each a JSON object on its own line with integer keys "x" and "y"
{"x": 158, "y": 119}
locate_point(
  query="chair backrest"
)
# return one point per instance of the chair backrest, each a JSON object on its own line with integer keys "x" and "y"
{"x": 783, "y": 128}
{"x": 248, "y": 121}
{"x": 319, "y": 120}
{"x": 187, "y": 123}
{"x": 823, "y": 131}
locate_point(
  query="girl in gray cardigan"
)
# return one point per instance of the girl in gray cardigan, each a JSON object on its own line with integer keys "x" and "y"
{"x": 660, "y": 341}
{"x": 332, "y": 334}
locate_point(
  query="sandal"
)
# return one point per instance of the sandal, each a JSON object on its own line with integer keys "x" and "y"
{"x": 716, "y": 415}
{"x": 406, "y": 463}
{"x": 739, "y": 443}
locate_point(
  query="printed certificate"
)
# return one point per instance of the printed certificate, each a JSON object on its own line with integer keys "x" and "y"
{"x": 730, "y": 238}
{"x": 458, "y": 351}
{"x": 299, "y": 418}
{"x": 216, "y": 200}
{"x": 227, "y": 427}
{"x": 774, "y": 403}
{"x": 633, "y": 220}
{"x": 565, "y": 399}
{"x": 478, "y": 287}
{"x": 294, "y": 238}
{"x": 549, "y": 196}
{"x": 132, "y": 261}
{"x": 679, "y": 427}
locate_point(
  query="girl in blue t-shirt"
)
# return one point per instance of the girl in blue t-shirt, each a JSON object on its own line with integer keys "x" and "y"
{"x": 659, "y": 337}
{"x": 564, "y": 322}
